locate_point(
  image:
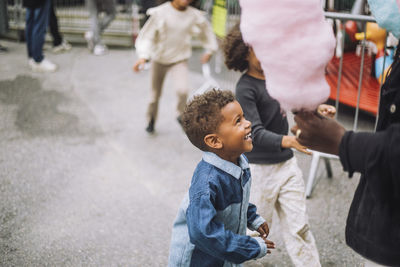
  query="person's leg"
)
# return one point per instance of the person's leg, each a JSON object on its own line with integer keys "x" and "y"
{"x": 180, "y": 77}
{"x": 29, "y": 22}
{"x": 110, "y": 13}
{"x": 94, "y": 32}
{"x": 264, "y": 189}
{"x": 53, "y": 25}
{"x": 41, "y": 20}
{"x": 291, "y": 208}
{"x": 158, "y": 72}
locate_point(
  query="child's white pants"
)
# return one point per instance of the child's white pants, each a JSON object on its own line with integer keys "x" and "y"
{"x": 281, "y": 187}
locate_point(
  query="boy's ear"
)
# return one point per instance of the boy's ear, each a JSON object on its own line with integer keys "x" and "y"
{"x": 213, "y": 141}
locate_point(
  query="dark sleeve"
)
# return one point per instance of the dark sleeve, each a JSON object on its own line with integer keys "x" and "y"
{"x": 247, "y": 97}
{"x": 375, "y": 155}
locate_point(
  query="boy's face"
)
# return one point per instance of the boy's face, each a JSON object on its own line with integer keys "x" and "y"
{"x": 234, "y": 132}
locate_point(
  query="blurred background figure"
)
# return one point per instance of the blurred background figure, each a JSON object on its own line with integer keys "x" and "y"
{"x": 37, "y": 19}
{"x": 3, "y": 22}
{"x": 99, "y": 23}
{"x": 59, "y": 44}
{"x": 166, "y": 40}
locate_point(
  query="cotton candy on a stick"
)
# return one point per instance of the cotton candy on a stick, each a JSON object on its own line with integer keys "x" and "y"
{"x": 294, "y": 44}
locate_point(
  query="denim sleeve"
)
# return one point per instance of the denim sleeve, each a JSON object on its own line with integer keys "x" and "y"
{"x": 210, "y": 236}
{"x": 253, "y": 219}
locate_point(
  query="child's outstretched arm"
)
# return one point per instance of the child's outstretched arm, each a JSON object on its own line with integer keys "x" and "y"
{"x": 144, "y": 43}
{"x": 207, "y": 38}
{"x": 210, "y": 235}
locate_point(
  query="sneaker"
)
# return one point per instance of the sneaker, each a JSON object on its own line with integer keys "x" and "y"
{"x": 100, "y": 50}
{"x": 31, "y": 62}
{"x": 89, "y": 40}
{"x": 63, "y": 47}
{"x": 43, "y": 66}
{"x": 150, "y": 126}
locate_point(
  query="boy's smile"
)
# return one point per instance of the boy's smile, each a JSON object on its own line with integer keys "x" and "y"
{"x": 234, "y": 132}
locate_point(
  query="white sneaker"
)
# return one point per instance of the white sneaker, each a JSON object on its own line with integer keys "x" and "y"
{"x": 31, "y": 62}
{"x": 89, "y": 40}
{"x": 63, "y": 47}
{"x": 100, "y": 50}
{"x": 43, "y": 66}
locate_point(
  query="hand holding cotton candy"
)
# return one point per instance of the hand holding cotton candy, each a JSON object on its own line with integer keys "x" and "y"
{"x": 293, "y": 43}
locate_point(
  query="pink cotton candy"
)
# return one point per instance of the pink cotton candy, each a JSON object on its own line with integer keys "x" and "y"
{"x": 294, "y": 43}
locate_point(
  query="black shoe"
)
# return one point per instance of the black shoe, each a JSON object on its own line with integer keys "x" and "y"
{"x": 150, "y": 126}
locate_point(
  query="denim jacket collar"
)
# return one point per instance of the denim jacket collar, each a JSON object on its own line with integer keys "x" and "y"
{"x": 225, "y": 165}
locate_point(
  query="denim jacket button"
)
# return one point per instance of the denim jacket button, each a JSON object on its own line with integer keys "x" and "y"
{"x": 392, "y": 108}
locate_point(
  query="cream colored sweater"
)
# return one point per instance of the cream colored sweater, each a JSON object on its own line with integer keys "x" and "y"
{"x": 166, "y": 36}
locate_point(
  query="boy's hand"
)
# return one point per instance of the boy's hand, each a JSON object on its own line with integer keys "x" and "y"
{"x": 139, "y": 64}
{"x": 205, "y": 58}
{"x": 263, "y": 230}
{"x": 269, "y": 244}
{"x": 327, "y": 110}
{"x": 291, "y": 142}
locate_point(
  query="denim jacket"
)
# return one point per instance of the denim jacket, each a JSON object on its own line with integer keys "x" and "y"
{"x": 210, "y": 229}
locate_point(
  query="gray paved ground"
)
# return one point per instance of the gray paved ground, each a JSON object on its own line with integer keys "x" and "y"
{"x": 82, "y": 184}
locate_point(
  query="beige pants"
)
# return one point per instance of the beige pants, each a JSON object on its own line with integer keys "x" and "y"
{"x": 281, "y": 187}
{"x": 179, "y": 74}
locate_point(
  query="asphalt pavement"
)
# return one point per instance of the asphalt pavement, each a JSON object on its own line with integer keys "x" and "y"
{"x": 83, "y": 184}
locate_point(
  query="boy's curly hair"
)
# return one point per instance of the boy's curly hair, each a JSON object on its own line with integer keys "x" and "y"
{"x": 236, "y": 50}
{"x": 202, "y": 115}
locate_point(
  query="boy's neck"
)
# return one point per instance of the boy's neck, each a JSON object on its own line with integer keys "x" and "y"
{"x": 177, "y": 7}
{"x": 230, "y": 158}
{"x": 256, "y": 74}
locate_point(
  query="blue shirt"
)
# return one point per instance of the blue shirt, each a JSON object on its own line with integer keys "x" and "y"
{"x": 210, "y": 229}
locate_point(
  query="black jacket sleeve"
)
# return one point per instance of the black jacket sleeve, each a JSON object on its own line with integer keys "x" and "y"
{"x": 376, "y": 156}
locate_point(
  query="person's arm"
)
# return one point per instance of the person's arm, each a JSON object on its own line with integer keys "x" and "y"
{"x": 210, "y": 235}
{"x": 254, "y": 221}
{"x": 144, "y": 42}
{"x": 261, "y": 136}
{"x": 372, "y": 152}
{"x": 376, "y": 155}
{"x": 207, "y": 38}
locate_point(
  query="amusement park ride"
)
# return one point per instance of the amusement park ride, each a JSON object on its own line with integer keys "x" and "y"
{"x": 376, "y": 63}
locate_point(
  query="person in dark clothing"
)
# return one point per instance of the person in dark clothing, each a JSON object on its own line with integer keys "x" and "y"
{"x": 59, "y": 44}
{"x": 3, "y": 22}
{"x": 373, "y": 222}
{"x": 277, "y": 180}
{"x": 37, "y": 20}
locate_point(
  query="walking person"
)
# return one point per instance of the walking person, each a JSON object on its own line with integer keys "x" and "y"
{"x": 59, "y": 43}
{"x": 37, "y": 19}
{"x": 3, "y": 22}
{"x": 166, "y": 40}
{"x": 99, "y": 23}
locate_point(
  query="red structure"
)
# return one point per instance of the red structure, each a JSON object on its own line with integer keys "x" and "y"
{"x": 369, "y": 97}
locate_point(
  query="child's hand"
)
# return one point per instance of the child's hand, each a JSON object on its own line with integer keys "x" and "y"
{"x": 205, "y": 58}
{"x": 291, "y": 142}
{"x": 327, "y": 110}
{"x": 269, "y": 244}
{"x": 263, "y": 230}
{"x": 139, "y": 64}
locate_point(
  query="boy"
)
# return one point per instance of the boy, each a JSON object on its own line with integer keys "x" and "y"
{"x": 211, "y": 224}
{"x": 277, "y": 179}
{"x": 166, "y": 40}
